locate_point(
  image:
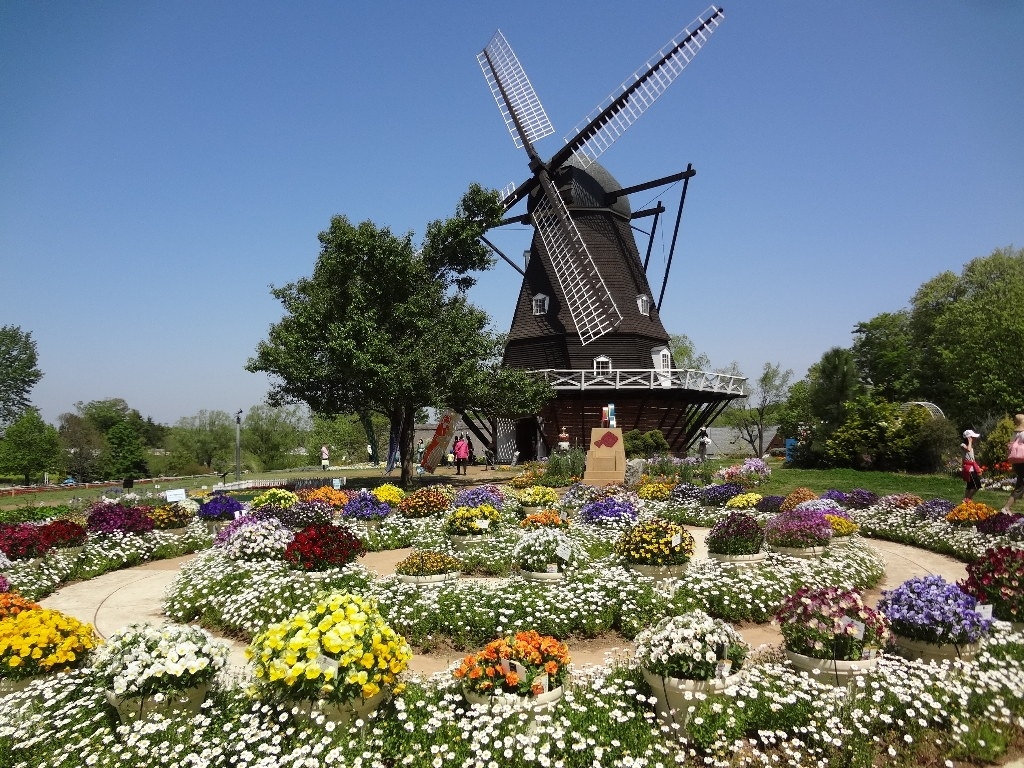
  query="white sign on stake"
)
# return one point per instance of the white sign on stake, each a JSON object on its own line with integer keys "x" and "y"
{"x": 174, "y": 495}
{"x": 984, "y": 610}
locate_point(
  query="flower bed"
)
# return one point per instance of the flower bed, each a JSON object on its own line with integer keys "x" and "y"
{"x": 655, "y": 541}
{"x": 832, "y": 623}
{"x": 737, "y": 534}
{"x": 423, "y": 503}
{"x": 798, "y": 529}
{"x": 323, "y": 546}
{"x": 997, "y": 578}
{"x": 929, "y": 609}
{"x": 525, "y": 664}
{"x": 220, "y": 506}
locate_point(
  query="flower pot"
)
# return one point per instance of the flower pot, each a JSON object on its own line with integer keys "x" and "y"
{"x": 658, "y": 571}
{"x": 176, "y": 531}
{"x": 214, "y": 527}
{"x": 532, "y": 510}
{"x": 183, "y": 703}
{"x": 545, "y": 700}
{"x": 841, "y": 541}
{"x": 465, "y": 543}
{"x": 434, "y": 578}
{"x": 678, "y": 697}
{"x": 919, "y": 650}
{"x": 341, "y": 714}
{"x": 807, "y": 553}
{"x": 547, "y": 576}
{"x": 739, "y": 561}
{"x": 831, "y": 671}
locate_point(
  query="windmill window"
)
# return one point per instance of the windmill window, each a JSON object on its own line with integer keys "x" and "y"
{"x": 540, "y": 304}
{"x": 643, "y": 303}
{"x": 666, "y": 360}
{"x": 602, "y": 364}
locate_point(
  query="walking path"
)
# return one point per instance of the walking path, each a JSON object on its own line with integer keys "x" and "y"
{"x": 119, "y": 598}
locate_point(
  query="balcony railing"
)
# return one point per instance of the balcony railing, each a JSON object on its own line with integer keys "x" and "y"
{"x": 674, "y": 378}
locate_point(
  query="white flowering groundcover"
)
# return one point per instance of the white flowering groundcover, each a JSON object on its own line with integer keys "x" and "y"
{"x": 961, "y": 711}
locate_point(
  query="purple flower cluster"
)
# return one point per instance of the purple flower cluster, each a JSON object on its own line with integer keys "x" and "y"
{"x": 769, "y": 504}
{"x": 365, "y": 506}
{"x": 229, "y": 530}
{"x": 580, "y": 494}
{"x": 608, "y": 511}
{"x": 1016, "y": 531}
{"x": 839, "y": 497}
{"x": 798, "y": 528}
{"x": 220, "y": 506}
{"x": 717, "y": 495}
{"x": 5, "y": 585}
{"x": 115, "y": 518}
{"x": 737, "y": 534}
{"x": 827, "y": 506}
{"x": 999, "y": 523}
{"x": 930, "y": 609}
{"x": 684, "y": 492}
{"x": 474, "y": 497}
{"x": 859, "y": 498}
{"x": 303, "y": 514}
{"x": 934, "y": 509}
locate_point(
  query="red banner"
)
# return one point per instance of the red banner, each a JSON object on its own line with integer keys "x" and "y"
{"x": 439, "y": 442}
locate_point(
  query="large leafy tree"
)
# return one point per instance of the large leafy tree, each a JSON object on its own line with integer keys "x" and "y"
{"x": 30, "y": 446}
{"x": 268, "y": 433}
{"x": 104, "y": 414}
{"x": 380, "y": 326}
{"x": 83, "y": 446}
{"x": 887, "y": 357}
{"x": 126, "y": 453}
{"x": 19, "y": 372}
{"x": 206, "y": 439}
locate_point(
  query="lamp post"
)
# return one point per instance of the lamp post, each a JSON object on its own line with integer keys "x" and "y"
{"x": 238, "y": 446}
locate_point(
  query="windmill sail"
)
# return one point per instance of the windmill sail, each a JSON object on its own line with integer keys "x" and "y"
{"x": 590, "y": 302}
{"x": 620, "y": 110}
{"x": 520, "y": 107}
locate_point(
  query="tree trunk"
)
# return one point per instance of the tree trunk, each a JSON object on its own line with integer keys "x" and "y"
{"x": 405, "y": 443}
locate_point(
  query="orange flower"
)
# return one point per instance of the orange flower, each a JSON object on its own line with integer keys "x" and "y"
{"x": 511, "y": 679}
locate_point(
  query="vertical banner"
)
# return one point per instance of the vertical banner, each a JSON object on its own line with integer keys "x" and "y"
{"x": 611, "y": 416}
{"x": 439, "y": 442}
{"x": 394, "y": 448}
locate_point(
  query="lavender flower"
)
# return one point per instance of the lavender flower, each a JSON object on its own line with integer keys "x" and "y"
{"x": 581, "y": 494}
{"x": 929, "y": 609}
{"x": 220, "y": 506}
{"x": 769, "y": 504}
{"x": 608, "y": 511}
{"x": 717, "y": 495}
{"x": 839, "y": 497}
{"x": 998, "y": 524}
{"x": 798, "y": 528}
{"x": 819, "y": 505}
{"x": 114, "y": 518}
{"x": 474, "y": 497}
{"x": 303, "y": 514}
{"x": 684, "y": 492}
{"x": 860, "y": 498}
{"x": 365, "y": 506}
{"x": 934, "y": 509}
{"x": 737, "y": 534}
{"x": 5, "y": 585}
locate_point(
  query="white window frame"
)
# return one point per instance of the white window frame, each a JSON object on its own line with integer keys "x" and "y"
{"x": 540, "y": 300}
{"x": 643, "y": 303}
{"x": 602, "y": 365}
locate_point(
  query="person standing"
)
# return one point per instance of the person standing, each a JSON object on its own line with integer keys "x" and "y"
{"x": 1016, "y": 446}
{"x": 325, "y": 457}
{"x": 420, "y": 448}
{"x": 461, "y": 450}
{"x": 971, "y": 470}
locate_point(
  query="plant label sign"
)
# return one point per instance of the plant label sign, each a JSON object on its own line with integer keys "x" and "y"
{"x": 868, "y": 652}
{"x": 174, "y": 495}
{"x": 858, "y": 627}
{"x": 563, "y": 552}
{"x": 485, "y": 524}
{"x": 542, "y": 681}
{"x": 722, "y": 669}
{"x": 551, "y": 568}
{"x": 677, "y": 540}
{"x": 984, "y": 610}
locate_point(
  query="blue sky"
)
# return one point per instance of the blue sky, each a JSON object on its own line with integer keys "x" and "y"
{"x": 162, "y": 164}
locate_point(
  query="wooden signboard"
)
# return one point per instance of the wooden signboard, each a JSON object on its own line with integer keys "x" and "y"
{"x": 606, "y": 457}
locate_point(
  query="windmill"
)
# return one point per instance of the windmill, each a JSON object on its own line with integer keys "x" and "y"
{"x": 586, "y": 318}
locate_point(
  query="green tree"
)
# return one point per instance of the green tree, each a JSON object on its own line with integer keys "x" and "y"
{"x": 126, "y": 453}
{"x": 30, "y": 447}
{"x": 763, "y": 406}
{"x": 835, "y": 383}
{"x": 104, "y": 414}
{"x": 83, "y": 445}
{"x": 269, "y": 433}
{"x": 206, "y": 438}
{"x": 383, "y": 327}
{"x": 685, "y": 355}
{"x": 643, "y": 445}
{"x": 19, "y": 372}
{"x": 887, "y": 357}
{"x": 344, "y": 435}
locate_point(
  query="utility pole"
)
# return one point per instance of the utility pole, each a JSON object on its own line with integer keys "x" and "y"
{"x": 238, "y": 446}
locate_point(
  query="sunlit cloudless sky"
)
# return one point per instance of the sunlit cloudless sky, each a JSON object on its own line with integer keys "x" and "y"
{"x": 163, "y": 164}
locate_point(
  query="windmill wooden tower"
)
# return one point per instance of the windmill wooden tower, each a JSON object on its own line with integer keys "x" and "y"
{"x": 586, "y": 318}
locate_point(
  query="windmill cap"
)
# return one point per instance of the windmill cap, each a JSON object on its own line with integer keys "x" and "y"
{"x": 970, "y": 433}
